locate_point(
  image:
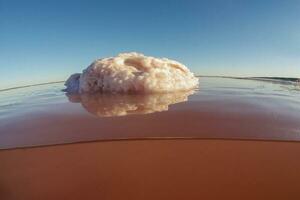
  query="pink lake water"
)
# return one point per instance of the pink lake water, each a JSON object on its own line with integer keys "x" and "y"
{"x": 229, "y": 139}
{"x": 221, "y": 108}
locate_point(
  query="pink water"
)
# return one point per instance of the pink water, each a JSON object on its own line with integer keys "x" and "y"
{"x": 221, "y": 108}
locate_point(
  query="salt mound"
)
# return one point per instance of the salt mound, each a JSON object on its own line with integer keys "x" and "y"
{"x": 133, "y": 73}
{"x": 109, "y": 105}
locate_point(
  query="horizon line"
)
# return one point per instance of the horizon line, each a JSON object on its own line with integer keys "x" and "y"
{"x": 291, "y": 79}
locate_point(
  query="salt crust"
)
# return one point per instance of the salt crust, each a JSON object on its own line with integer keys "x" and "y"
{"x": 132, "y": 73}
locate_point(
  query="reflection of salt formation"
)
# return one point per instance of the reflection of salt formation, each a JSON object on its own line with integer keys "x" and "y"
{"x": 108, "y": 105}
{"x": 133, "y": 73}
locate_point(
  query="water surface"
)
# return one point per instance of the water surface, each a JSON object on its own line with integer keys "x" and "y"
{"x": 221, "y": 108}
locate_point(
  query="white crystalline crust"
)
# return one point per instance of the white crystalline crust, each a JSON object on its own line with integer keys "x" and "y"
{"x": 133, "y": 73}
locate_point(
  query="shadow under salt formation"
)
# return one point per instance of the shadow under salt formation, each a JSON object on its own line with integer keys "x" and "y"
{"x": 110, "y": 105}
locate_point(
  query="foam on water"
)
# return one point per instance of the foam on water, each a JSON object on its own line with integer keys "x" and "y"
{"x": 133, "y": 73}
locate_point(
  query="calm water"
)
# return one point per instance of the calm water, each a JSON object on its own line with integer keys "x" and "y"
{"x": 220, "y": 108}
{"x": 216, "y": 165}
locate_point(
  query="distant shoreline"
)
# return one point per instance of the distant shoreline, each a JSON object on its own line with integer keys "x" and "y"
{"x": 278, "y": 79}
{"x": 262, "y": 78}
{"x": 31, "y": 85}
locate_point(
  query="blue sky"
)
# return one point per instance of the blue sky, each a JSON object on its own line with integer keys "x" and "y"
{"x": 44, "y": 41}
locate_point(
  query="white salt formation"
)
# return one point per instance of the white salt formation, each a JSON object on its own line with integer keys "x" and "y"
{"x": 109, "y": 105}
{"x": 133, "y": 73}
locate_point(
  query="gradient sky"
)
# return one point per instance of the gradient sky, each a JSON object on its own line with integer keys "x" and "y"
{"x": 44, "y": 41}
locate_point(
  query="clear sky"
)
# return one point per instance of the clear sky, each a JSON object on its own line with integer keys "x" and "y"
{"x": 48, "y": 40}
